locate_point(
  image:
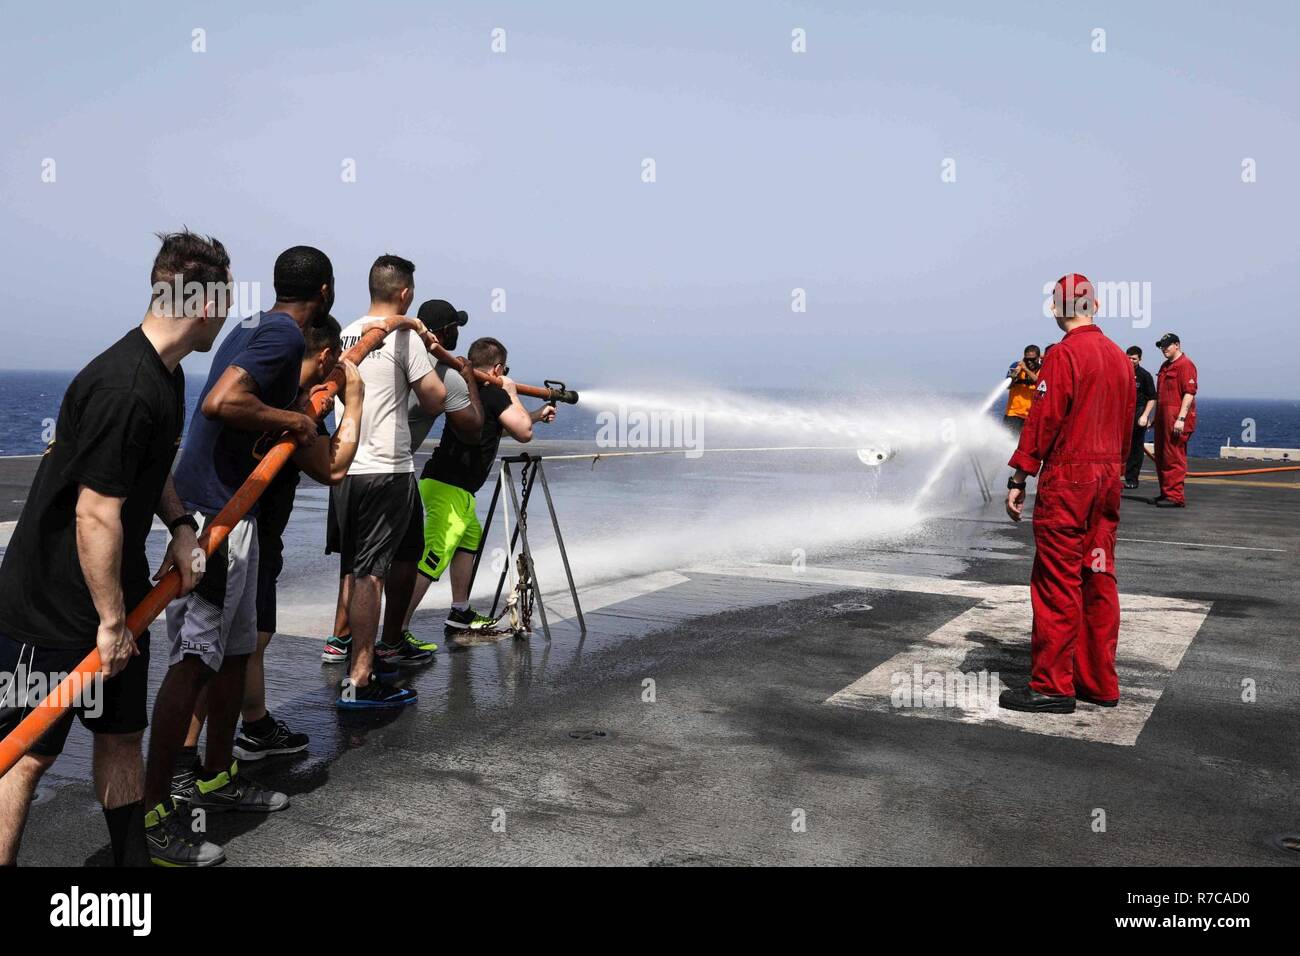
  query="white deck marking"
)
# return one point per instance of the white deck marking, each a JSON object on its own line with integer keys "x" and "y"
{"x": 1197, "y": 544}
{"x": 607, "y": 595}
{"x": 1154, "y": 634}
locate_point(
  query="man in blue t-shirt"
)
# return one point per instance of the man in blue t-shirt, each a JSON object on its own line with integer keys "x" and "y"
{"x": 251, "y": 391}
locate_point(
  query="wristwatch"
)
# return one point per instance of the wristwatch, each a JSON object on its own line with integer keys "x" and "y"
{"x": 1013, "y": 485}
{"x": 183, "y": 520}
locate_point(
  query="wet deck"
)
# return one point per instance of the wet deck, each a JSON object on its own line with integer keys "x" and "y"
{"x": 767, "y": 706}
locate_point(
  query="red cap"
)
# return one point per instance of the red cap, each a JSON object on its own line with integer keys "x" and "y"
{"x": 1069, "y": 290}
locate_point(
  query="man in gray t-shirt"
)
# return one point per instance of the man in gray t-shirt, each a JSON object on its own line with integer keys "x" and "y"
{"x": 463, "y": 412}
{"x": 420, "y": 422}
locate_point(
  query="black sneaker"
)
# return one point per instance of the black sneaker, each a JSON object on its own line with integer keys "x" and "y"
{"x": 466, "y": 620}
{"x": 373, "y": 695}
{"x": 184, "y": 782}
{"x": 172, "y": 844}
{"x": 227, "y": 791}
{"x": 400, "y": 655}
{"x": 278, "y": 740}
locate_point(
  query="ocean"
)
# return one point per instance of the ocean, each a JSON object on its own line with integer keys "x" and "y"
{"x": 31, "y": 402}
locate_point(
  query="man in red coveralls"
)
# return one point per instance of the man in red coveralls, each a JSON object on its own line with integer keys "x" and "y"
{"x": 1175, "y": 420}
{"x": 1076, "y": 440}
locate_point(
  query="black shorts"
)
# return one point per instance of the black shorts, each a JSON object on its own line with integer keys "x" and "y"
{"x": 333, "y": 537}
{"x": 379, "y": 521}
{"x": 270, "y": 562}
{"x": 118, "y": 705}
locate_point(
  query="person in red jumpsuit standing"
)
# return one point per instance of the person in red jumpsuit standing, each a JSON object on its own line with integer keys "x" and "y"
{"x": 1175, "y": 420}
{"x": 1076, "y": 440}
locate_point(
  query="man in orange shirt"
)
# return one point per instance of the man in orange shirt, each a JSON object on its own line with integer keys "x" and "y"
{"x": 1023, "y": 381}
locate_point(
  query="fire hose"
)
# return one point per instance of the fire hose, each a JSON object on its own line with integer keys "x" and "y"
{"x": 46, "y": 713}
{"x": 1229, "y": 474}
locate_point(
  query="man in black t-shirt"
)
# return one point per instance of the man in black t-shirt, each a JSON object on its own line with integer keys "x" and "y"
{"x": 453, "y": 474}
{"x": 76, "y": 563}
{"x": 1146, "y": 410}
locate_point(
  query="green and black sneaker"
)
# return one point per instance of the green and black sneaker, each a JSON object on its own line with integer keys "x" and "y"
{"x": 418, "y": 644}
{"x": 228, "y": 791}
{"x": 172, "y": 844}
{"x": 466, "y": 620}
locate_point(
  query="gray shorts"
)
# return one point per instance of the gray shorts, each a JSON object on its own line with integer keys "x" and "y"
{"x": 218, "y": 619}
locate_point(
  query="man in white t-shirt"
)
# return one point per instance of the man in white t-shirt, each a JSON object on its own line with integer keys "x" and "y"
{"x": 374, "y": 503}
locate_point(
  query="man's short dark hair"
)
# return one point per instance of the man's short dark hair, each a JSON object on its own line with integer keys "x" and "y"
{"x": 300, "y": 272}
{"x": 323, "y": 332}
{"x": 1033, "y": 348}
{"x": 389, "y": 276}
{"x": 486, "y": 352}
{"x": 1133, "y": 350}
{"x": 192, "y": 257}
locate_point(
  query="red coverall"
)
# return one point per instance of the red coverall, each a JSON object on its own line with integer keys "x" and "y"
{"x": 1078, "y": 433}
{"x": 1176, "y": 379}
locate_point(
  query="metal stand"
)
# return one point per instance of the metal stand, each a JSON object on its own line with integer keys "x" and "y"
{"x": 981, "y": 479}
{"x": 530, "y": 471}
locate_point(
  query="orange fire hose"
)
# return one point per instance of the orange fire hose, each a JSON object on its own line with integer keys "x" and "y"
{"x": 1229, "y": 474}
{"x": 560, "y": 394}
{"x": 51, "y": 708}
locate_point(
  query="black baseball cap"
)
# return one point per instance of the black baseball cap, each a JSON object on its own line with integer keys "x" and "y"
{"x": 1168, "y": 339}
{"x": 439, "y": 313}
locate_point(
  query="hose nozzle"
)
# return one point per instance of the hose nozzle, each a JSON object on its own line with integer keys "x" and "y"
{"x": 559, "y": 393}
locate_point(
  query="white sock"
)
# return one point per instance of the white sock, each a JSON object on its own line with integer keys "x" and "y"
{"x": 460, "y": 605}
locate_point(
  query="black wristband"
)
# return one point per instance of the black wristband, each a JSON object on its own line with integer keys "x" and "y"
{"x": 1013, "y": 485}
{"x": 183, "y": 520}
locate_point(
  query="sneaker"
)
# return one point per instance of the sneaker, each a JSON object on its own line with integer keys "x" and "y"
{"x": 228, "y": 792}
{"x": 374, "y": 694}
{"x": 184, "y": 782}
{"x": 401, "y": 655}
{"x": 337, "y": 650}
{"x": 278, "y": 740}
{"x": 172, "y": 844}
{"x": 468, "y": 619}
{"x": 418, "y": 644}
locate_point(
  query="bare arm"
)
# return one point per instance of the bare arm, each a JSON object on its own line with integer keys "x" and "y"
{"x": 468, "y": 422}
{"x": 327, "y": 460}
{"x": 99, "y": 550}
{"x": 515, "y": 420}
{"x": 430, "y": 393}
{"x": 183, "y": 552}
{"x": 234, "y": 401}
{"x": 1179, "y": 424}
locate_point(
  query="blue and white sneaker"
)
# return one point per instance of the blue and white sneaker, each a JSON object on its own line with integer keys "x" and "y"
{"x": 374, "y": 695}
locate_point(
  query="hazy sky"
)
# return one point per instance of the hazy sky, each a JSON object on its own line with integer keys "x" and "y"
{"x": 775, "y": 170}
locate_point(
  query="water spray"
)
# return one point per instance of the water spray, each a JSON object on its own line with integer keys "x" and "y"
{"x": 955, "y": 446}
